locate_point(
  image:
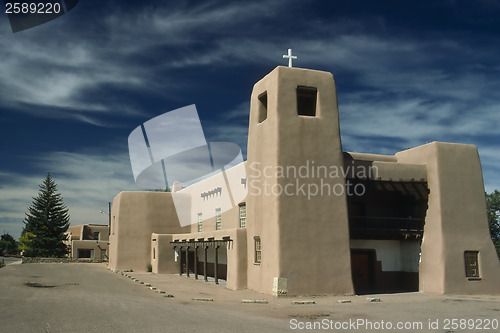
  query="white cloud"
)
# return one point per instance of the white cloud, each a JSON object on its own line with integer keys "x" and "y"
{"x": 57, "y": 65}
{"x": 407, "y": 91}
{"x": 490, "y": 162}
{"x": 230, "y": 126}
{"x": 86, "y": 181}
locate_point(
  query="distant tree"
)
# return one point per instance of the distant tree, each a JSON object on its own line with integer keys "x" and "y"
{"x": 45, "y": 224}
{"x": 166, "y": 189}
{"x": 7, "y": 244}
{"x": 493, "y": 207}
{"x": 26, "y": 242}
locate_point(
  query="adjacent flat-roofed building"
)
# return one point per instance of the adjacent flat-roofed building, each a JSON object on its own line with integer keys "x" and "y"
{"x": 312, "y": 218}
{"x": 88, "y": 241}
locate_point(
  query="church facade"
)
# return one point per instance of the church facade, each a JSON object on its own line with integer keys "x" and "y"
{"x": 307, "y": 218}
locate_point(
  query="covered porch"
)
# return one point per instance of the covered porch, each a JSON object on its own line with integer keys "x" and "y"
{"x": 220, "y": 255}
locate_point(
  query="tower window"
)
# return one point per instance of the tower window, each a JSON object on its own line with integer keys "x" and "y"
{"x": 306, "y": 101}
{"x": 471, "y": 264}
{"x": 263, "y": 106}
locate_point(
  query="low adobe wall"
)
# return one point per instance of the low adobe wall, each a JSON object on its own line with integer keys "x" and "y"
{"x": 40, "y": 260}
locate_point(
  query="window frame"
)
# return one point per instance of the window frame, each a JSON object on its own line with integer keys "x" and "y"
{"x": 242, "y": 208}
{"x": 257, "y": 250}
{"x": 218, "y": 219}
{"x": 471, "y": 263}
{"x": 200, "y": 222}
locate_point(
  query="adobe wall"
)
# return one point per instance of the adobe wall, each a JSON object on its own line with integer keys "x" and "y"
{"x": 134, "y": 217}
{"x": 162, "y": 255}
{"x": 89, "y": 229}
{"x": 99, "y": 247}
{"x": 456, "y": 220}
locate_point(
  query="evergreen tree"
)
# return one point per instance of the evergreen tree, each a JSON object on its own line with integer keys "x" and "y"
{"x": 45, "y": 224}
{"x": 493, "y": 207}
{"x": 7, "y": 244}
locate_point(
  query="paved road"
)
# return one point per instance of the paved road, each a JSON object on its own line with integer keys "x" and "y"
{"x": 10, "y": 260}
{"x": 89, "y": 298}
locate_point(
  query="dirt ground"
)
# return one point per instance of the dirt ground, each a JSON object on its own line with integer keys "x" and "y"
{"x": 78, "y": 297}
{"x": 405, "y": 312}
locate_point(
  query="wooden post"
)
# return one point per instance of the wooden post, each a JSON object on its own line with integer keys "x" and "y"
{"x": 187, "y": 261}
{"x": 179, "y": 257}
{"x": 205, "y": 248}
{"x": 196, "y": 262}
{"x": 216, "y": 268}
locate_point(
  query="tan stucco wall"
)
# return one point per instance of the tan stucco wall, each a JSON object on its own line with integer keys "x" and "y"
{"x": 382, "y": 167}
{"x": 99, "y": 247}
{"x": 456, "y": 220}
{"x": 162, "y": 254}
{"x": 373, "y": 157}
{"x": 135, "y": 216}
{"x": 75, "y": 232}
{"x": 292, "y": 227}
{"x": 103, "y": 231}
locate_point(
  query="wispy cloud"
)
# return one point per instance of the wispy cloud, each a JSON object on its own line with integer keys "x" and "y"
{"x": 86, "y": 181}
{"x": 397, "y": 88}
{"x": 46, "y": 67}
{"x": 230, "y": 126}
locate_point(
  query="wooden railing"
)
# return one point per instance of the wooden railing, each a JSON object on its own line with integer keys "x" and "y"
{"x": 367, "y": 227}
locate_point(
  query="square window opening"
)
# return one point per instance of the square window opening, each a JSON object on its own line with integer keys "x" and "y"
{"x": 306, "y": 101}
{"x": 263, "y": 106}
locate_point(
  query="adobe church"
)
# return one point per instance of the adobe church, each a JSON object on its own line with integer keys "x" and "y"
{"x": 307, "y": 218}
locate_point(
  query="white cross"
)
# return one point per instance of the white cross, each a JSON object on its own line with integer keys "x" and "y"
{"x": 290, "y": 57}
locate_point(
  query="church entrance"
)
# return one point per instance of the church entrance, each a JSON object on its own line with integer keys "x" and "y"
{"x": 363, "y": 270}
{"x": 386, "y": 227}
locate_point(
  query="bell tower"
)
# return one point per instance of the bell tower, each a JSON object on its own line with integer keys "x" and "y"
{"x": 298, "y": 236}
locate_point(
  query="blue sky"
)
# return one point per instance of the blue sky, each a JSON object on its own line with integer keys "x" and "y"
{"x": 72, "y": 90}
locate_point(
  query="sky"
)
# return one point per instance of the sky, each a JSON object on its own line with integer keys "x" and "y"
{"x": 73, "y": 89}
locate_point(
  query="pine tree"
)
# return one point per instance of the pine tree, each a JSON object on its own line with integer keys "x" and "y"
{"x": 45, "y": 224}
{"x": 7, "y": 244}
{"x": 493, "y": 208}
